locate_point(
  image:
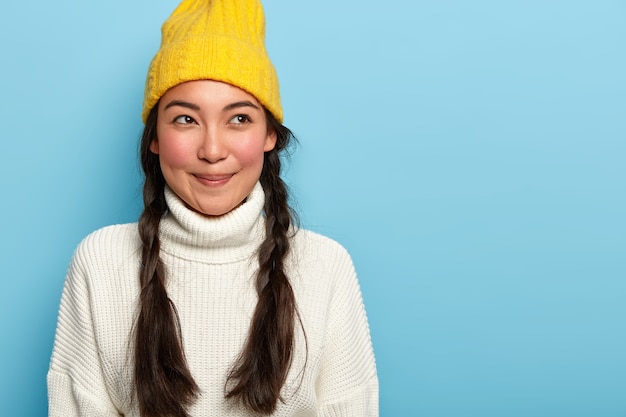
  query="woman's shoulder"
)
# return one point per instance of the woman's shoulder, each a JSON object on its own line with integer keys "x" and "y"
{"x": 116, "y": 233}
{"x": 109, "y": 242}
{"x": 318, "y": 241}
{"x": 314, "y": 246}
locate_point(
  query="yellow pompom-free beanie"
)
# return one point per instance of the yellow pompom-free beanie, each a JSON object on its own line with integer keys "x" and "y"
{"x": 221, "y": 40}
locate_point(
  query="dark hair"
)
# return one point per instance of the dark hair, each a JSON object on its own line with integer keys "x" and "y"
{"x": 163, "y": 383}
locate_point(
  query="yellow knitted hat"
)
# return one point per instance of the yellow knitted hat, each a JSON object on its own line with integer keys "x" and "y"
{"x": 221, "y": 40}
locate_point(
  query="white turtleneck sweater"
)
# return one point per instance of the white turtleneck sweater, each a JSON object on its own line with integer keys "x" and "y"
{"x": 211, "y": 266}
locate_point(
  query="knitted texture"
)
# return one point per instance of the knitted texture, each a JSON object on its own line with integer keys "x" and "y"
{"x": 211, "y": 265}
{"x": 221, "y": 40}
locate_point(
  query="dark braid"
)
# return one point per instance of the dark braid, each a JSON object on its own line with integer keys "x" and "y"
{"x": 262, "y": 368}
{"x": 163, "y": 382}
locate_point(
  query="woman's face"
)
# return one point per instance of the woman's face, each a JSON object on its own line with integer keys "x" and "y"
{"x": 211, "y": 138}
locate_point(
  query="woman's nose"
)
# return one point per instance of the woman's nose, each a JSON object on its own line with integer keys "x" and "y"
{"x": 212, "y": 148}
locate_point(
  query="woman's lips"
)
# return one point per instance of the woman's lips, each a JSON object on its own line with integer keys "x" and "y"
{"x": 213, "y": 179}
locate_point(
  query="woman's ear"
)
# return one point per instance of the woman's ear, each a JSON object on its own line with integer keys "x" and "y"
{"x": 270, "y": 141}
{"x": 154, "y": 146}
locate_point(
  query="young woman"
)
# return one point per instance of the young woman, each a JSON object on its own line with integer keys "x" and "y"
{"x": 214, "y": 303}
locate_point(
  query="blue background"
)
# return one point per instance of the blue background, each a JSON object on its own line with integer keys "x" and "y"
{"x": 470, "y": 155}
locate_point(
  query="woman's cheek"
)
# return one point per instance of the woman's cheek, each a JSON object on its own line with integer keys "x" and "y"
{"x": 251, "y": 154}
{"x": 176, "y": 153}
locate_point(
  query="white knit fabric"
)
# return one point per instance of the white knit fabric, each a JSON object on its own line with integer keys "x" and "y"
{"x": 211, "y": 265}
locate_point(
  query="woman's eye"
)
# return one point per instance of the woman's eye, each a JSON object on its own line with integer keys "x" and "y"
{"x": 240, "y": 119}
{"x": 184, "y": 120}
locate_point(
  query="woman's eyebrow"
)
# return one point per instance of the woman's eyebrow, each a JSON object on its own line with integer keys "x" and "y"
{"x": 238, "y": 104}
{"x": 182, "y": 103}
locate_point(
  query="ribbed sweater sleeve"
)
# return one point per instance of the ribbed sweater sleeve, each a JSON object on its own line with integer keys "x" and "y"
{"x": 347, "y": 383}
{"x": 76, "y": 385}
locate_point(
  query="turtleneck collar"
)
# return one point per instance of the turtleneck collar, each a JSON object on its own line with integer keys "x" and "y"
{"x": 231, "y": 237}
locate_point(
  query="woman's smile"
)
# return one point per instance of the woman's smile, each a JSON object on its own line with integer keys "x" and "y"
{"x": 213, "y": 179}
